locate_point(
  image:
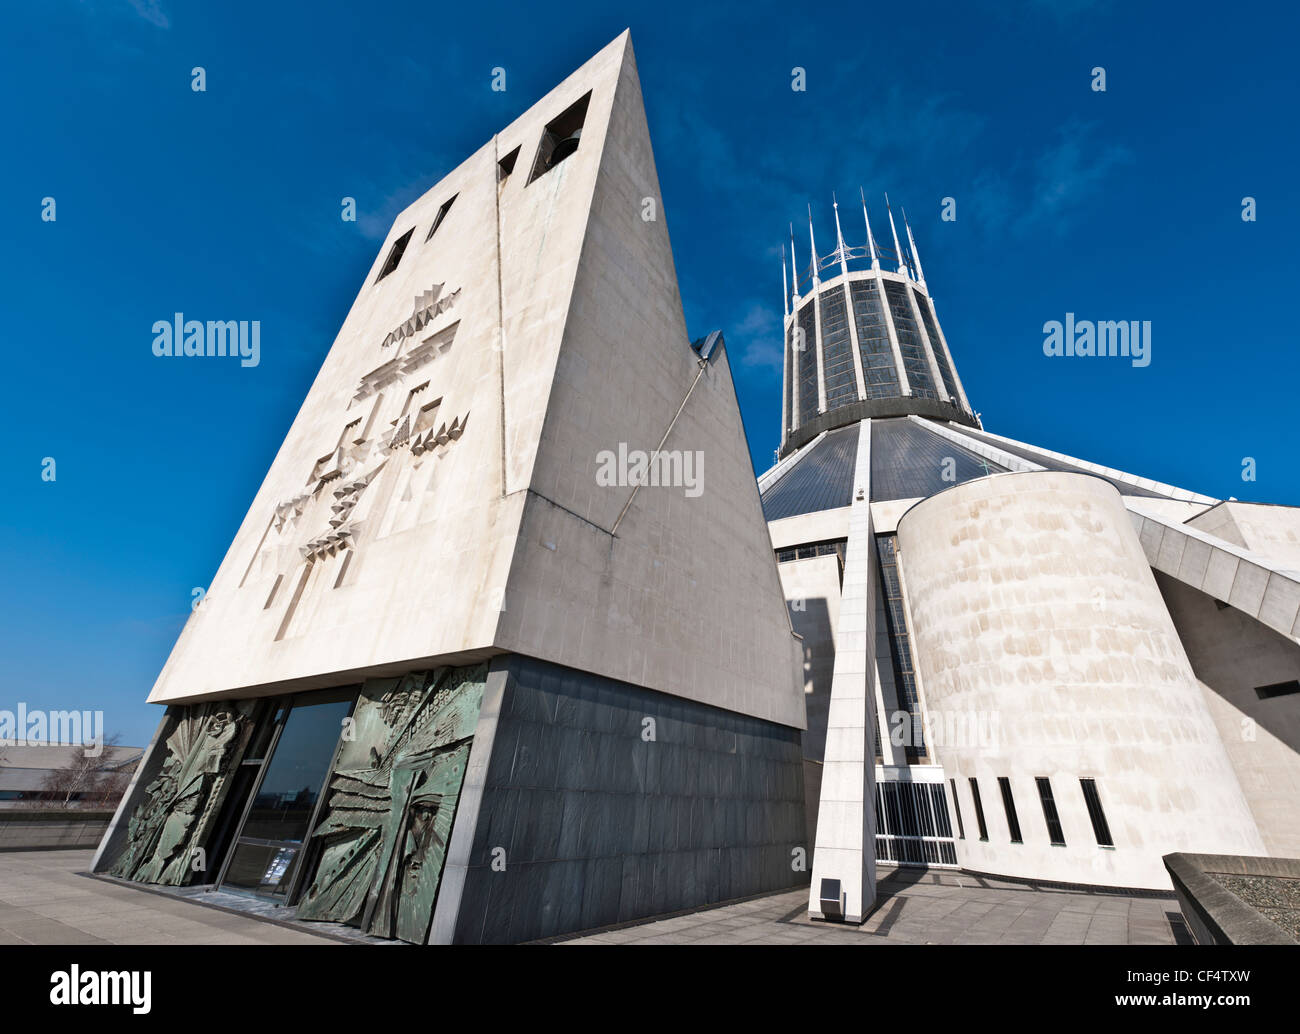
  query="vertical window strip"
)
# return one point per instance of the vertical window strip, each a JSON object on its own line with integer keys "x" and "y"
{"x": 806, "y": 363}
{"x": 1009, "y": 804}
{"x": 900, "y": 652}
{"x": 837, "y": 350}
{"x": 979, "y": 808}
{"x": 909, "y": 341}
{"x": 878, "y": 370}
{"x": 1050, "y": 816}
{"x": 956, "y": 807}
{"x": 936, "y": 346}
{"x": 1100, "y": 828}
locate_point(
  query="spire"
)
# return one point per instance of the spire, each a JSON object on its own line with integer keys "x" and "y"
{"x": 812, "y": 243}
{"x": 794, "y": 267}
{"x": 785, "y": 284}
{"x": 902, "y": 264}
{"x": 871, "y": 241}
{"x": 840, "y": 249}
{"x": 911, "y": 243}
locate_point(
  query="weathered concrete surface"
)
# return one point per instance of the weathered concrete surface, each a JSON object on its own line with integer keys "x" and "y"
{"x": 1033, "y": 605}
{"x": 569, "y": 342}
{"x": 1233, "y": 654}
{"x": 812, "y": 592}
{"x": 1255, "y": 583}
{"x": 1215, "y": 914}
{"x": 1258, "y": 527}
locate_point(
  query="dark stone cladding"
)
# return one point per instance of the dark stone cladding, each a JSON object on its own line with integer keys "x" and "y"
{"x": 601, "y": 827}
{"x": 874, "y": 408}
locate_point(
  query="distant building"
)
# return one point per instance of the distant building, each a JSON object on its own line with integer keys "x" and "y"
{"x": 57, "y": 776}
{"x": 1061, "y": 671}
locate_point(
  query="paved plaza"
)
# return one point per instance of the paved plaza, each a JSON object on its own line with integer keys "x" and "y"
{"x": 46, "y": 898}
{"x": 927, "y": 908}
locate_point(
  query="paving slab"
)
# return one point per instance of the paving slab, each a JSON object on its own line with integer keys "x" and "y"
{"x": 46, "y": 898}
{"x": 932, "y": 908}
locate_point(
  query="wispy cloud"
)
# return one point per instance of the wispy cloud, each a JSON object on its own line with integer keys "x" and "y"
{"x": 756, "y": 338}
{"x": 1048, "y": 191}
{"x": 152, "y": 12}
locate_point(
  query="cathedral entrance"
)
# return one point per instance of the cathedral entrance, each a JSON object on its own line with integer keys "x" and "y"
{"x": 278, "y": 792}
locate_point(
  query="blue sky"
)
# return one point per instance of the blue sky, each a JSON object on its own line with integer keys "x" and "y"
{"x": 1117, "y": 205}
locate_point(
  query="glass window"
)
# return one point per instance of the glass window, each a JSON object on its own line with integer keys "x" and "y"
{"x": 442, "y": 214}
{"x": 837, "y": 350}
{"x": 395, "y": 255}
{"x": 805, "y": 357}
{"x": 956, "y": 807}
{"x": 979, "y": 808}
{"x": 936, "y": 346}
{"x": 1053, "y": 820}
{"x": 900, "y": 651}
{"x": 278, "y": 820}
{"x": 909, "y": 341}
{"x": 1009, "y": 804}
{"x": 878, "y": 368}
{"x": 1099, "y": 825}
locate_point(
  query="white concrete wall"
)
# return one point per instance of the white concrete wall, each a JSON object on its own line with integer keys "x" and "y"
{"x": 846, "y": 846}
{"x": 818, "y": 526}
{"x": 571, "y": 340}
{"x": 1232, "y": 654}
{"x": 685, "y": 596}
{"x": 812, "y": 594}
{"x": 1033, "y": 606}
{"x": 1261, "y": 528}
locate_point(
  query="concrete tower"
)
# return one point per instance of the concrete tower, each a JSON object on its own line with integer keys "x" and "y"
{"x": 1063, "y": 671}
{"x": 499, "y": 651}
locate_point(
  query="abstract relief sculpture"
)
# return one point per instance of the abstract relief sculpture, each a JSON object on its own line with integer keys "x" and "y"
{"x": 392, "y": 798}
{"x": 177, "y": 810}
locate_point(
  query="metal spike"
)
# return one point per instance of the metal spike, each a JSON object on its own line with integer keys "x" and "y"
{"x": 871, "y": 240}
{"x": 898, "y": 249}
{"x": 794, "y": 268}
{"x": 812, "y": 243}
{"x": 840, "y": 249}
{"x": 911, "y": 243}
{"x": 785, "y": 284}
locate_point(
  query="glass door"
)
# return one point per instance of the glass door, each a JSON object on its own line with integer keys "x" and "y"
{"x": 287, "y": 787}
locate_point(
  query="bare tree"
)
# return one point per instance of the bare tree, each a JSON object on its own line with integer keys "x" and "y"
{"x": 88, "y": 782}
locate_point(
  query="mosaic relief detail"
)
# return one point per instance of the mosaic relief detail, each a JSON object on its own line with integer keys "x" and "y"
{"x": 376, "y": 477}
{"x": 391, "y": 801}
{"x": 179, "y": 807}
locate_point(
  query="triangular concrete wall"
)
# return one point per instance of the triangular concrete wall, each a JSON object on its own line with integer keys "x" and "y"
{"x": 685, "y": 596}
{"x": 569, "y": 342}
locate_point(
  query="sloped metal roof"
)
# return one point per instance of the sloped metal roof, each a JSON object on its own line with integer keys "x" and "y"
{"x": 1051, "y": 463}
{"x": 909, "y": 462}
{"x": 821, "y": 480}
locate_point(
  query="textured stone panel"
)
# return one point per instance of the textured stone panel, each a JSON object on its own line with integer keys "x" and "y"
{"x": 597, "y": 825}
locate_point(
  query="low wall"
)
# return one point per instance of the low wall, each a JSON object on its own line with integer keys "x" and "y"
{"x": 1217, "y": 915}
{"x": 23, "y": 829}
